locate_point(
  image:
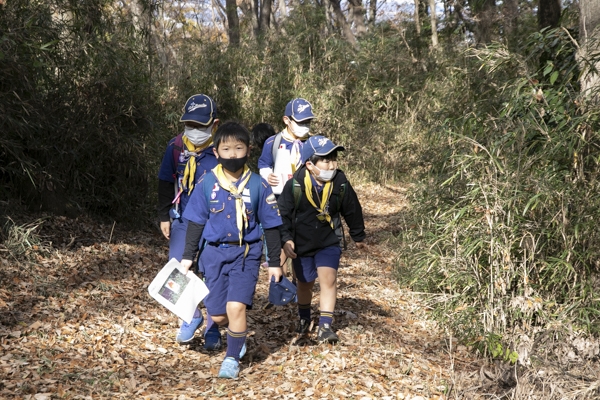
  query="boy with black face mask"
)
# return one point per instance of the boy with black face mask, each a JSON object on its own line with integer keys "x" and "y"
{"x": 226, "y": 211}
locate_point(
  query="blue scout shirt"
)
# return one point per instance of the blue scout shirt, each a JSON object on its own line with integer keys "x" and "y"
{"x": 171, "y": 169}
{"x": 219, "y": 218}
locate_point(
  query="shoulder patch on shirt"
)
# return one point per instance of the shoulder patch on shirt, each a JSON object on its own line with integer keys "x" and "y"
{"x": 271, "y": 199}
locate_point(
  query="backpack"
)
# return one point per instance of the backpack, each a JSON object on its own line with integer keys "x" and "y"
{"x": 336, "y": 219}
{"x": 254, "y": 185}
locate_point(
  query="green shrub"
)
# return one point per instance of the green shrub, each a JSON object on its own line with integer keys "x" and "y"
{"x": 505, "y": 230}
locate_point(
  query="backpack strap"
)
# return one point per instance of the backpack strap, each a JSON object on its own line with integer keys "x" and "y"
{"x": 207, "y": 184}
{"x": 255, "y": 185}
{"x": 341, "y": 195}
{"x": 341, "y": 234}
{"x": 177, "y": 150}
{"x": 276, "y": 144}
{"x": 297, "y": 193}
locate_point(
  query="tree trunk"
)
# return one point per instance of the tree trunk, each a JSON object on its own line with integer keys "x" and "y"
{"x": 511, "y": 12}
{"x": 417, "y": 22}
{"x": 549, "y": 14}
{"x": 372, "y": 13}
{"x": 233, "y": 23}
{"x": 341, "y": 22}
{"x": 265, "y": 15}
{"x": 358, "y": 16}
{"x": 433, "y": 19}
{"x": 589, "y": 38}
{"x": 485, "y": 13}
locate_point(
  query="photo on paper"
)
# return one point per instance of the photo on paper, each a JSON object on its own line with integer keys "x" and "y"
{"x": 172, "y": 289}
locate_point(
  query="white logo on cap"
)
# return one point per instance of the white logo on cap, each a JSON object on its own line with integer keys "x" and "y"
{"x": 303, "y": 107}
{"x": 323, "y": 141}
{"x": 195, "y": 106}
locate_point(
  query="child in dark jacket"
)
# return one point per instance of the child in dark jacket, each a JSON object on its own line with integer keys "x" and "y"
{"x": 321, "y": 192}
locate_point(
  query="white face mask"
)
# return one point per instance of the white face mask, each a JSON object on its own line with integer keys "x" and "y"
{"x": 299, "y": 130}
{"x": 198, "y": 136}
{"x": 325, "y": 175}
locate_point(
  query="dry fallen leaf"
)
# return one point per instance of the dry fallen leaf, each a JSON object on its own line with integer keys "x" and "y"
{"x": 81, "y": 325}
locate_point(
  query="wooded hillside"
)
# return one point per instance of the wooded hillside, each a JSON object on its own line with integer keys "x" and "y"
{"x": 485, "y": 113}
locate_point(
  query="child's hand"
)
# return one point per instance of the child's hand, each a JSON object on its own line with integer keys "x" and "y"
{"x": 165, "y": 227}
{"x": 273, "y": 180}
{"x": 288, "y": 249}
{"x": 275, "y": 272}
{"x": 186, "y": 265}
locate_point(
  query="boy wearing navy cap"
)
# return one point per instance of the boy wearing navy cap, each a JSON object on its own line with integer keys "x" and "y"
{"x": 226, "y": 212}
{"x": 297, "y": 118}
{"x": 322, "y": 191}
{"x": 187, "y": 158}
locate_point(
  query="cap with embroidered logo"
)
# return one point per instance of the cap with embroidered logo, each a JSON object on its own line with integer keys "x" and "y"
{"x": 299, "y": 110}
{"x": 199, "y": 108}
{"x": 282, "y": 292}
{"x": 319, "y": 146}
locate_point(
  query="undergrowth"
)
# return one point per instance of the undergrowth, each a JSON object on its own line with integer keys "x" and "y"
{"x": 504, "y": 219}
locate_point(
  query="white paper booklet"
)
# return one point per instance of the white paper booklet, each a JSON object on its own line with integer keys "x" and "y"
{"x": 179, "y": 293}
{"x": 282, "y": 168}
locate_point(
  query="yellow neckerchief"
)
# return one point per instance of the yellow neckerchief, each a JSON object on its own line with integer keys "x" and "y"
{"x": 190, "y": 168}
{"x": 295, "y": 151}
{"x": 323, "y": 209}
{"x": 236, "y": 191}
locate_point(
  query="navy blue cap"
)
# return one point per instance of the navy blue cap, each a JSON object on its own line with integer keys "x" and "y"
{"x": 318, "y": 145}
{"x": 199, "y": 108}
{"x": 299, "y": 110}
{"x": 282, "y": 292}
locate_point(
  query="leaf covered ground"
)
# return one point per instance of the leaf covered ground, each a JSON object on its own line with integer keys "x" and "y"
{"x": 76, "y": 321}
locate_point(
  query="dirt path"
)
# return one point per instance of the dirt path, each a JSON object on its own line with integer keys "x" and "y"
{"x": 77, "y": 322}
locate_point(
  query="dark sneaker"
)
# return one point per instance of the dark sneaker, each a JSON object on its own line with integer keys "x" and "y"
{"x": 326, "y": 335}
{"x": 212, "y": 339}
{"x": 303, "y": 327}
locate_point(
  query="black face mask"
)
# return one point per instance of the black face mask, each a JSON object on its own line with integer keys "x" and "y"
{"x": 233, "y": 164}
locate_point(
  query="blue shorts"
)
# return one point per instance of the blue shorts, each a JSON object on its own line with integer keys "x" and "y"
{"x": 229, "y": 275}
{"x": 177, "y": 239}
{"x": 306, "y": 267}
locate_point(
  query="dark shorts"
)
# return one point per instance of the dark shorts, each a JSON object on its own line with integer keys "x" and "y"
{"x": 177, "y": 240}
{"x": 229, "y": 275}
{"x": 306, "y": 267}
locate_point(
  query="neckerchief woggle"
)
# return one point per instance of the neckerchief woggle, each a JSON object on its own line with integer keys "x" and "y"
{"x": 236, "y": 191}
{"x": 323, "y": 208}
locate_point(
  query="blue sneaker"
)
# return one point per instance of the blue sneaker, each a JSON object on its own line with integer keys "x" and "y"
{"x": 186, "y": 331}
{"x": 230, "y": 369}
{"x": 243, "y": 351}
{"x": 212, "y": 339}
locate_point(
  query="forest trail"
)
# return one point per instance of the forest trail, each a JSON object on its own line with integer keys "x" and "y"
{"x": 77, "y": 322}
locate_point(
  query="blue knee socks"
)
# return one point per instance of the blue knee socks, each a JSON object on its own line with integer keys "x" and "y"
{"x": 326, "y": 318}
{"x": 235, "y": 342}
